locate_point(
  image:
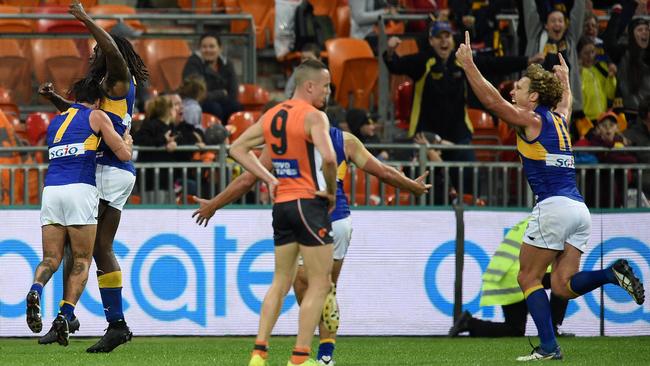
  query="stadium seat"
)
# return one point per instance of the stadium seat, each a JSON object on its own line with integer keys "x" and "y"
{"x": 22, "y": 3}
{"x": 86, "y": 3}
{"x": 263, "y": 12}
{"x": 114, "y": 9}
{"x": 58, "y": 25}
{"x": 324, "y": 7}
{"x": 253, "y": 97}
{"x": 208, "y": 120}
{"x": 342, "y": 21}
{"x": 201, "y": 6}
{"x": 240, "y": 121}
{"x": 403, "y": 102}
{"x": 481, "y": 120}
{"x": 36, "y": 126}
{"x": 354, "y": 71}
{"x": 15, "y": 73}
{"x": 57, "y": 60}
{"x": 408, "y": 46}
{"x": 165, "y": 59}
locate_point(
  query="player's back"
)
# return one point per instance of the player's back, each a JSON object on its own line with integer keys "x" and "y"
{"x": 296, "y": 161}
{"x": 120, "y": 111}
{"x": 72, "y": 148}
{"x": 548, "y": 159}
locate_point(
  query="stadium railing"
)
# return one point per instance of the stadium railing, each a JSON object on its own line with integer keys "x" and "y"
{"x": 479, "y": 183}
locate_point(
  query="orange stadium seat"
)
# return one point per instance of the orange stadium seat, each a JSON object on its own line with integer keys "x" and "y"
{"x": 22, "y": 3}
{"x": 485, "y": 133}
{"x": 481, "y": 120}
{"x": 201, "y": 6}
{"x": 354, "y": 70}
{"x": 165, "y": 59}
{"x": 342, "y": 21}
{"x": 113, "y": 9}
{"x": 240, "y": 121}
{"x": 253, "y": 97}
{"x": 408, "y": 46}
{"x": 15, "y": 72}
{"x": 58, "y": 25}
{"x": 86, "y": 3}
{"x": 208, "y": 120}
{"x": 324, "y": 7}
{"x": 57, "y": 60}
{"x": 263, "y": 12}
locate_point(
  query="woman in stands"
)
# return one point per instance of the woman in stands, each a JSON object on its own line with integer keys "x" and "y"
{"x": 219, "y": 76}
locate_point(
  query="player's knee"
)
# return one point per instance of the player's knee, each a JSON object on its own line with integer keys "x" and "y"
{"x": 559, "y": 287}
{"x": 524, "y": 279}
{"x": 51, "y": 261}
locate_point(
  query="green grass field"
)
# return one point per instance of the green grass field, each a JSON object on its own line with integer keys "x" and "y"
{"x": 357, "y": 351}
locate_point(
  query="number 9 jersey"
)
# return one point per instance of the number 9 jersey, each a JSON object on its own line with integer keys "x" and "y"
{"x": 296, "y": 161}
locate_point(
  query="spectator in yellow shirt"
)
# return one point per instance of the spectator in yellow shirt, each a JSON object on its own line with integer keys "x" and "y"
{"x": 598, "y": 80}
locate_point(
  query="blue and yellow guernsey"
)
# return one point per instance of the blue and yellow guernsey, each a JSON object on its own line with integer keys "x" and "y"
{"x": 342, "y": 209}
{"x": 120, "y": 111}
{"x": 548, "y": 159}
{"x": 72, "y": 147}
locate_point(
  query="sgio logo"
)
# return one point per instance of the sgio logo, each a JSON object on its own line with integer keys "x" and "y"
{"x": 168, "y": 277}
{"x": 66, "y": 150}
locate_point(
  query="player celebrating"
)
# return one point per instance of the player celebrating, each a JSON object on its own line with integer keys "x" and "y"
{"x": 559, "y": 227}
{"x": 296, "y": 134}
{"x": 70, "y": 198}
{"x": 119, "y": 68}
{"x": 347, "y": 147}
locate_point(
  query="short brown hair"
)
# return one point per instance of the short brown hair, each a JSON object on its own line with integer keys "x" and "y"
{"x": 193, "y": 87}
{"x": 544, "y": 83}
{"x": 159, "y": 108}
{"x": 305, "y": 70}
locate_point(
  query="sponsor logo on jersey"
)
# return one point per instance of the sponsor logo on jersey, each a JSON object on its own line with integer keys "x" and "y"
{"x": 286, "y": 168}
{"x": 66, "y": 150}
{"x": 560, "y": 161}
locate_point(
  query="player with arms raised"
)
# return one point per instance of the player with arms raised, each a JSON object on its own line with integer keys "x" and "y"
{"x": 559, "y": 227}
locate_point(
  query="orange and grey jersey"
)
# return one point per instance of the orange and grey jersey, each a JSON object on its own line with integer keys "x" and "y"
{"x": 296, "y": 161}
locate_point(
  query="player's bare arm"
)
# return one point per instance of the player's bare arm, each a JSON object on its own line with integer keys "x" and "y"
{"x": 122, "y": 146}
{"x": 233, "y": 191}
{"x": 362, "y": 158}
{"x": 318, "y": 127}
{"x": 118, "y": 78}
{"x": 240, "y": 150}
{"x": 562, "y": 73}
{"x": 489, "y": 95}
{"x": 46, "y": 90}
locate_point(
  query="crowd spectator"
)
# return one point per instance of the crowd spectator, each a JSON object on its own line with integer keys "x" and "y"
{"x": 156, "y": 131}
{"x": 439, "y": 100}
{"x": 193, "y": 91}
{"x": 364, "y": 128}
{"x": 554, "y": 36}
{"x": 364, "y": 16}
{"x": 590, "y": 31}
{"x": 638, "y": 134}
{"x": 598, "y": 80}
{"x": 632, "y": 58}
{"x": 219, "y": 75}
{"x": 479, "y": 18}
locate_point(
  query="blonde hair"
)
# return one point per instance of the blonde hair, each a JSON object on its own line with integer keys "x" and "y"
{"x": 545, "y": 84}
{"x": 193, "y": 87}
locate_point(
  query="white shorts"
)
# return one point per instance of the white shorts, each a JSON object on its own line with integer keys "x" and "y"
{"x": 558, "y": 220}
{"x": 114, "y": 185}
{"x": 70, "y": 204}
{"x": 342, "y": 234}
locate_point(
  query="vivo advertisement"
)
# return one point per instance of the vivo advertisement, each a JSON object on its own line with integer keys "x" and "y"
{"x": 398, "y": 277}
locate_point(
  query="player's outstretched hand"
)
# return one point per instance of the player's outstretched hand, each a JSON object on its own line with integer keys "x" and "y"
{"x": 562, "y": 70}
{"x": 464, "y": 52}
{"x": 46, "y": 90}
{"x": 331, "y": 200}
{"x": 422, "y": 187}
{"x": 77, "y": 10}
{"x": 205, "y": 211}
